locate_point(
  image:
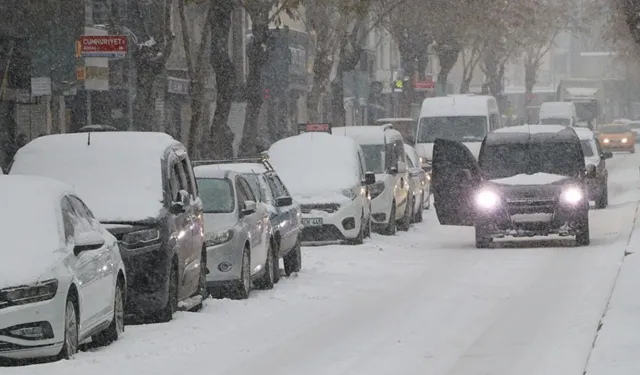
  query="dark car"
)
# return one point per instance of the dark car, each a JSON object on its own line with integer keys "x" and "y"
{"x": 284, "y": 213}
{"x": 529, "y": 180}
{"x": 141, "y": 187}
{"x": 594, "y": 154}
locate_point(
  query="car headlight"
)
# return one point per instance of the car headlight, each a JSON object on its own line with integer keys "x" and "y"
{"x": 376, "y": 189}
{"x": 624, "y": 140}
{"x": 141, "y": 237}
{"x": 606, "y": 140}
{"x": 350, "y": 193}
{"x": 487, "y": 199}
{"x": 571, "y": 195}
{"x": 219, "y": 238}
{"x": 23, "y": 295}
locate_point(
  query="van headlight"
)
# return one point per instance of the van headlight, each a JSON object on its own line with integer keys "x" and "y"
{"x": 624, "y": 140}
{"x": 487, "y": 199}
{"x": 571, "y": 195}
{"x": 23, "y": 295}
{"x": 141, "y": 237}
{"x": 351, "y": 193}
{"x": 219, "y": 238}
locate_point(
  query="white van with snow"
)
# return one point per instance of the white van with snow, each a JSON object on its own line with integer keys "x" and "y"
{"x": 464, "y": 118}
{"x": 326, "y": 175}
{"x": 384, "y": 155}
{"x": 558, "y": 113}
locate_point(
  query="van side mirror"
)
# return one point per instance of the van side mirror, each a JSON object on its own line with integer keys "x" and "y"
{"x": 181, "y": 203}
{"x": 369, "y": 178}
{"x": 607, "y": 155}
{"x": 284, "y": 201}
{"x": 467, "y": 174}
{"x": 87, "y": 241}
{"x": 591, "y": 171}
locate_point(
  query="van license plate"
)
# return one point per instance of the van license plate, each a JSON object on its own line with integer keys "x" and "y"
{"x": 314, "y": 222}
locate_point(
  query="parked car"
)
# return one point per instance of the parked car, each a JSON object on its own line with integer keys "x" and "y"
{"x": 593, "y": 155}
{"x": 241, "y": 248}
{"x": 635, "y": 128}
{"x": 408, "y": 127}
{"x": 326, "y": 174}
{"x": 419, "y": 184}
{"x": 392, "y": 207}
{"x": 617, "y": 137}
{"x": 62, "y": 279}
{"x": 284, "y": 213}
{"x": 140, "y": 185}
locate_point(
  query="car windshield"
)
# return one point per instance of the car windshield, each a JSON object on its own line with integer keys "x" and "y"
{"x": 374, "y": 158}
{"x": 456, "y": 128}
{"x": 217, "y": 195}
{"x": 615, "y": 129}
{"x": 506, "y": 160}
{"x": 587, "y": 149}
{"x": 555, "y": 121}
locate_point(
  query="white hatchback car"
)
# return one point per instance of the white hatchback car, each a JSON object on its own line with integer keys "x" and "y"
{"x": 62, "y": 280}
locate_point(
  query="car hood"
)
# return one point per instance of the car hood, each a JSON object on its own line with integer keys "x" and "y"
{"x": 25, "y": 268}
{"x": 214, "y": 223}
{"x": 425, "y": 150}
{"x": 538, "y": 185}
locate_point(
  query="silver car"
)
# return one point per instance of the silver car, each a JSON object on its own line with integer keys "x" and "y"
{"x": 238, "y": 232}
{"x": 419, "y": 182}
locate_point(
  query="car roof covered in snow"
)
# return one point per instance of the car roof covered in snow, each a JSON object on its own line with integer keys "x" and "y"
{"x": 458, "y": 105}
{"x": 214, "y": 171}
{"x": 118, "y": 174}
{"x": 585, "y": 134}
{"x": 244, "y": 168}
{"x": 367, "y": 135}
{"x": 532, "y": 134}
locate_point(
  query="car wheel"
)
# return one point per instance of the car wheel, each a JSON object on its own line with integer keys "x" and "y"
{"x": 276, "y": 263}
{"x": 202, "y": 291}
{"x": 418, "y": 215}
{"x": 405, "y": 222}
{"x": 367, "y": 229}
{"x": 166, "y": 314}
{"x": 582, "y": 236}
{"x": 603, "y": 199}
{"x": 116, "y": 328}
{"x": 71, "y": 332}
{"x": 359, "y": 239}
{"x": 243, "y": 287}
{"x": 483, "y": 240}
{"x": 267, "y": 280}
{"x": 293, "y": 260}
{"x": 392, "y": 227}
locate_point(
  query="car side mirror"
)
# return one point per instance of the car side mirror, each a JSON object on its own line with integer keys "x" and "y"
{"x": 591, "y": 171}
{"x": 402, "y": 167}
{"x": 249, "y": 208}
{"x": 284, "y": 201}
{"x": 467, "y": 174}
{"x": 369, "y": 178}
{"x": 607, "y": 155}
{"x": 411, "y": 140}
{"x": 181, "y": 203}
{"x": 88, "y": 241}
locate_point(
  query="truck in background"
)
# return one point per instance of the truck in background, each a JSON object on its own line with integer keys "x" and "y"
{"x": 588, "y": 96}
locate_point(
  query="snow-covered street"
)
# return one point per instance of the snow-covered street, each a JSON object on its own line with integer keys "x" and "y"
{"x": 423, "y": 302}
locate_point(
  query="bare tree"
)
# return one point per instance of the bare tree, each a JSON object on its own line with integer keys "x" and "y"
{"x": 471, "y": 55}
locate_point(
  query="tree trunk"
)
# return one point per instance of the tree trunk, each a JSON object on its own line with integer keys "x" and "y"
{"x": 144, "y": 103}
{"x": 465, "y": 85}
{"x": 321, "y": 72}
{"x": 220, "y": 136}
{"x": 409, "y": 65}
{"x": 530, "y": 73}
{"x": 338, "y": 113}
{"x": 447, "y": 57}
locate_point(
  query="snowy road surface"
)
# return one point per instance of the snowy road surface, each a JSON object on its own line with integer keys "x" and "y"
{"x": 424, "y": 302}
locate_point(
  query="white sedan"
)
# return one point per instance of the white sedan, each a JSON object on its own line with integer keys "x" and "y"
{"x": 62, "y": 280}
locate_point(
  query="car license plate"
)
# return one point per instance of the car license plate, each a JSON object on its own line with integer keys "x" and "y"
{"x": 314, "y": 222}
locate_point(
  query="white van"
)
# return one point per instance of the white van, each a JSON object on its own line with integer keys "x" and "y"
{"x": 558, "y": 113}
{"x": 384, "y": 155}
{"x": 464, "y": 118}
{"x": 326, "y": 175}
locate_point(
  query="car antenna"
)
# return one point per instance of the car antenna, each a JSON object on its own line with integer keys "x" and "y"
{"x": 89, "y": 139}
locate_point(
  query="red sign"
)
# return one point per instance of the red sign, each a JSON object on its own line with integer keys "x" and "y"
{"x": 315, "y": 128}
{"x": 427, "y": 84}
{"x": 103, "y": 45}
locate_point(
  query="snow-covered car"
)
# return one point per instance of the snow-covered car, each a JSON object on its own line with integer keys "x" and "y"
{"x": 419, "y": 183}
{"x": 594, "y": 155}
{"x": 635, "y": 128}
{"x": 392, "y": 207}
{"x": 327, "y": 175}
{"x": 528, "y": 181}
{"x": 62, "y": 279}
{"x": 284, "y": 212}
{"x": 140, "y": 185}
{"x": 239, "y": 238}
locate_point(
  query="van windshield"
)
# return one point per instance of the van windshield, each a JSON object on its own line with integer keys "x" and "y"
{"x": 555, "y": 121}
{"x": 506, "y": 160}
{"x": 374, "y": 158}
{"x": 456, "y": 128}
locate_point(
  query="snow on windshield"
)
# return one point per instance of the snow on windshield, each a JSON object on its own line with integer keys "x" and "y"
{"x": 457, "y": 128}
{"x": 216, "y": 194}
{"x": 506, "y": 160}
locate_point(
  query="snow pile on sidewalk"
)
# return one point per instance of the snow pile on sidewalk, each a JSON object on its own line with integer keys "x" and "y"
{"x": 618, "y": 342}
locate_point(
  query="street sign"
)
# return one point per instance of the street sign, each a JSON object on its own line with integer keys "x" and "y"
{"x": 41, "y": 86}
{"x": 103, "y": 45}
{"x": 425, "y": 85}
{"x": 314, "y": 128}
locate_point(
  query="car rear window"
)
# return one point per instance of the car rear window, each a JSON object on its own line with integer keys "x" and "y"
{"x": 216, "y": 195}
